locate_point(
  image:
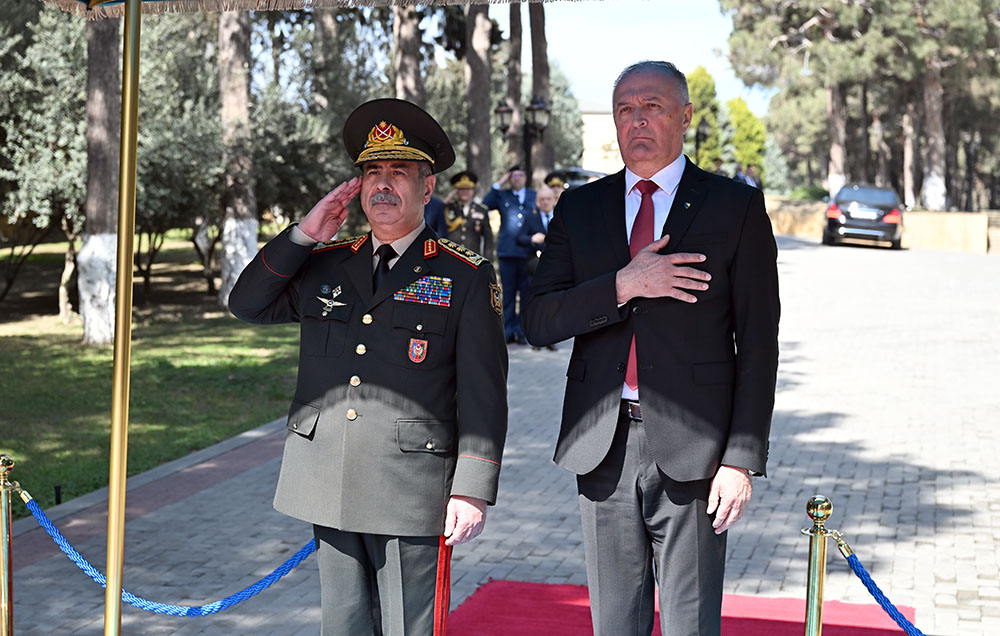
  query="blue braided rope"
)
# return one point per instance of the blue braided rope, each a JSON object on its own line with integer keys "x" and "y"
{"x": 887, "y": 605}
{"x": 163, "y": 608}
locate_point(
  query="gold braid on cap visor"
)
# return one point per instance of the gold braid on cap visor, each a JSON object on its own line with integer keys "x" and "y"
{"x": 464, "y": 182}
{"x": 385, "y": 141}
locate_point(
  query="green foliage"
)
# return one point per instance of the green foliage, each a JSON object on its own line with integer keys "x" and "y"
{"x": 803, "y": 46}
{"x": 703, "y": 149}
{"x": 179, "y": 145}
{"x": 748, "y": 136}
{"x": 43, "y": 84}
{"x": 446, "y": 101}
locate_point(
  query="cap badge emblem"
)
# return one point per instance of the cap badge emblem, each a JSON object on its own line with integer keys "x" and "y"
{"x": 384, "y": 134}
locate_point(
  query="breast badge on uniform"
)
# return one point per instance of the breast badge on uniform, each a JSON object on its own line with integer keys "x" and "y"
{"x": 496, "y": 300}
{"x": 329, "y": 303}
{"x": 427, "y": 290}
{"x": 418, "y": 350}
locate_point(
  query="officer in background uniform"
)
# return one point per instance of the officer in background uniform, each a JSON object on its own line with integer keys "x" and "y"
{"x": 468, "y": 221}
{"x": 554, "y": 181}
{"x": 514, "y": 204}
{"x": 396, "y": 430}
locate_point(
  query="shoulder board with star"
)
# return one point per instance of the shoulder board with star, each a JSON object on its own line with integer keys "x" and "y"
{"x": 463, "y": 253}
{"x": 334, "y": 244}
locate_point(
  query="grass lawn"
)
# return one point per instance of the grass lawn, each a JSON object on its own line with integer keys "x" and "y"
{"x": 198, "y": 376}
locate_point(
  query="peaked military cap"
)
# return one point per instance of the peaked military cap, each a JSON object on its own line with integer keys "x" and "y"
{"x": 465, "y": 179}
{"x": 386, "y": 129}
{"x": 555, "y": 181}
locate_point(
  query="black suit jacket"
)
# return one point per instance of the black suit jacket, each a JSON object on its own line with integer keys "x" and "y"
{"x": 706, "y": 370}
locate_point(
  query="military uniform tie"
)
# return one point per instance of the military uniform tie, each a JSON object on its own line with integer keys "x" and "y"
{"x": 385, "y": 254}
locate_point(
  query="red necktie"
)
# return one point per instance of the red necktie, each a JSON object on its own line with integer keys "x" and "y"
{"x": 642, "y": 235}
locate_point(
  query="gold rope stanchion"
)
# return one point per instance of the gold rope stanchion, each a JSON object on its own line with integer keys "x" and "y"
{"x": 6, "y": 552}
{"x": 123, "y": 321}
{"x": 819, "y": 509}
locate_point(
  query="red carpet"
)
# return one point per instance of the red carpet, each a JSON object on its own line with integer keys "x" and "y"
{"x": 510, "y": 608}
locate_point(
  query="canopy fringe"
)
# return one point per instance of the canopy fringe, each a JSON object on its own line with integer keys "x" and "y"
{"x": 116, "y": 9}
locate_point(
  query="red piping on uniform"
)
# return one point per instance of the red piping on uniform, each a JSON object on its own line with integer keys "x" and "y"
{"x": 442, "y": 588}
{"x": 271, "y": 270}
{"x": 482, "y": 458}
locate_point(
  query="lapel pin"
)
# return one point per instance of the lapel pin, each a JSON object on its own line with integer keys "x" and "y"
{"x": 417, "y": 269}
{"x": 686, "y": 205}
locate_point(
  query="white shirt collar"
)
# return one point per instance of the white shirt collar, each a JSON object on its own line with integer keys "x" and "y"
{"x": 401, "y": 244}
{"x": 667, "y": 178}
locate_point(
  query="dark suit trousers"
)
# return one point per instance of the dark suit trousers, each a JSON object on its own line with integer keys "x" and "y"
{"x": 639, "y": 528}
{"x": 379, "y": 585}
{"x": 514, "y": 278}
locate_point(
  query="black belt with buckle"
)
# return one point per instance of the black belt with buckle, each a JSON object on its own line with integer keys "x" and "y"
{"x": 632, "y": 410}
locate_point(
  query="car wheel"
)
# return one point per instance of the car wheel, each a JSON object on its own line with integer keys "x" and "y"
{"x": 828, "y": 240}
{"x": 897, "y": 244}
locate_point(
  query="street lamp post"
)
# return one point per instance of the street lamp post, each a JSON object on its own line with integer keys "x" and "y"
{"x": 536, "y": 120}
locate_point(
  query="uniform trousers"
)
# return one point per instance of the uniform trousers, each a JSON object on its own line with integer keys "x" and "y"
{"x": 379, "y": 585}
{"x": 642, "y": 528}
{"x": 514, "y": 279}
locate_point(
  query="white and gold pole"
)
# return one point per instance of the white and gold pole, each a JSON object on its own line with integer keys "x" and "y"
{"x": 123, "y": 320}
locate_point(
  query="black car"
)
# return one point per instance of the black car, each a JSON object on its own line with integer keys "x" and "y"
{"x": 861, "y": 211}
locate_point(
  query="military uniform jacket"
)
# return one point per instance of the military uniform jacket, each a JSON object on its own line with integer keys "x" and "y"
{"x": 472, "y": 231}
{"x": 401, "y": 398}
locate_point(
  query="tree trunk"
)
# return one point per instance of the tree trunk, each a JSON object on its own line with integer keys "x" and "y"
{"x": 514, "y": 144}
{"x": 543, "y": 149}
{"x": 325, "y": 52}
{"x": 479, "y": 157}
{"x": 239, "y": 224}
{"x": 66, "y": 313}
{"x": 866, "y": 140}
{"x": 909, "y": 155}
{"x": 406, "y": 62}
{"x": 971, "y": 168}
{"x": 836, "y": 111}
{"x": 882, "y": 178}
{"x": 97, "y": 257}
{"x": 934, "y": 193}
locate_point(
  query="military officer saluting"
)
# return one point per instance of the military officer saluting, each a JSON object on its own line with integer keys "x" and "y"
{"x": 396, "y": 429}
{"x": 468, "y": 220}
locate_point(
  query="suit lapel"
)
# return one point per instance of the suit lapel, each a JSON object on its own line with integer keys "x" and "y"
{"x": 690, "y": 194}
{"x": 407, "y": 269}
{"x": 613, "y": 204}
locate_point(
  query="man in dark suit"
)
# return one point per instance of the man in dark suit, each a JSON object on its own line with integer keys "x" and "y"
{"x": 532, "y": 232}
{"x": 396, "y": 430}
{"x": 514, "y": 204}
{"x": 666, "y": 278}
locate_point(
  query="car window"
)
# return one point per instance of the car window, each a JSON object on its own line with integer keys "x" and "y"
{"x": 871, "y": 196}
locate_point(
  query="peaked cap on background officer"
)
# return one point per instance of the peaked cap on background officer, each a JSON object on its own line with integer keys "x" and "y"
{"x": 465, "y": 179}
{"x": 387, "y": 129}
